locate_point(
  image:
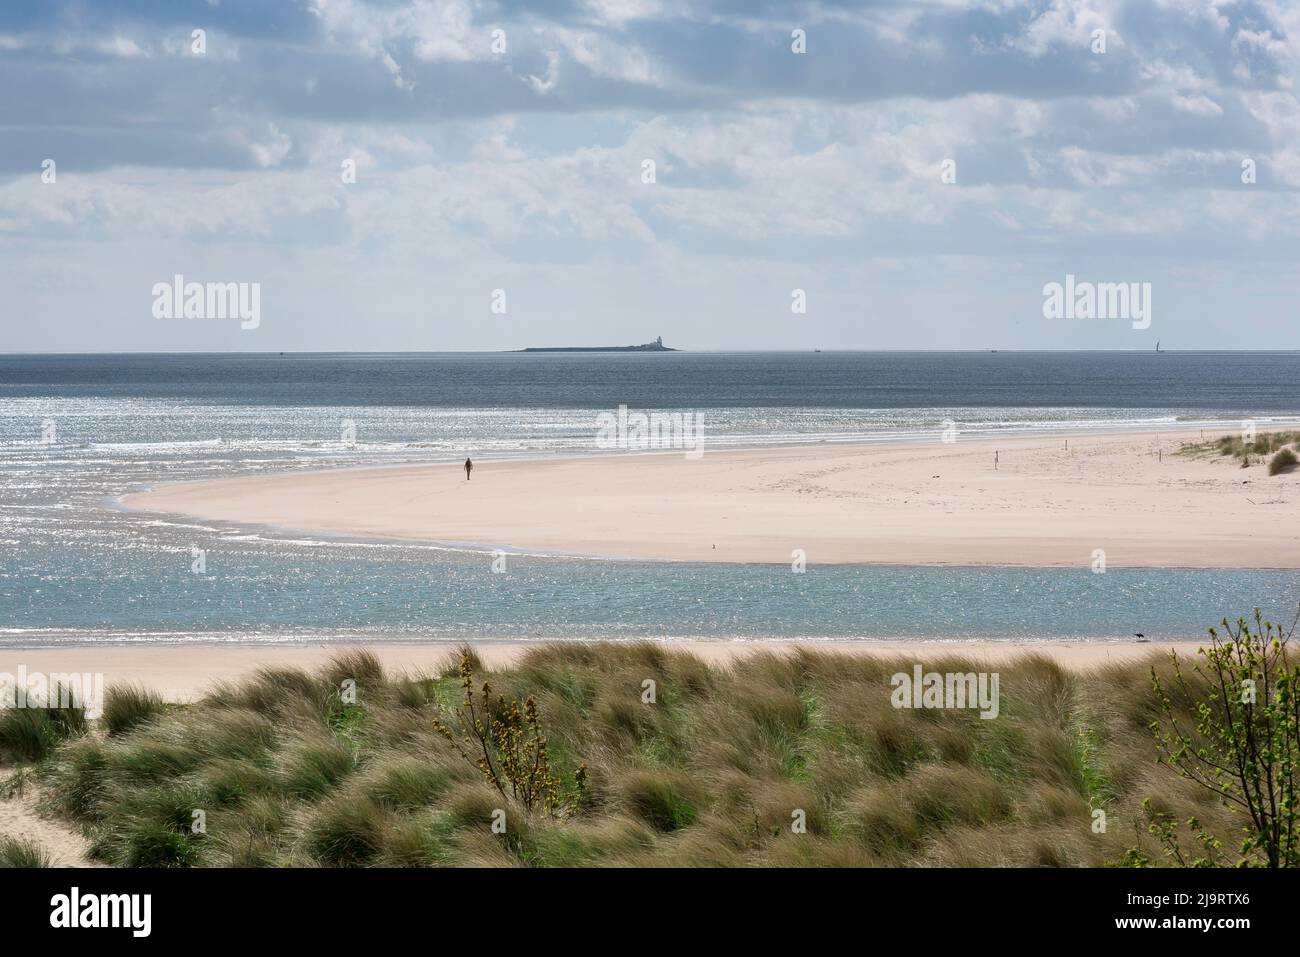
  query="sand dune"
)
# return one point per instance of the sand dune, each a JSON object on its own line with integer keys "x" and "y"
{"x": 933, "y": 503}
{"x": 20, "y": 818}
{"x": 185, "y": 673}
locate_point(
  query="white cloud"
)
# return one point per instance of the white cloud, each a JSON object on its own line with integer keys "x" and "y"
{"x": 1066, "y": 24}
{"x": 120, "y": 46}
{"x": 757, "y": 178}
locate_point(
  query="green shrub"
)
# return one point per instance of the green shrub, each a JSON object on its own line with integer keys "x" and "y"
{"x": 1244, "y": 746}
{"x": 505, "y": 741}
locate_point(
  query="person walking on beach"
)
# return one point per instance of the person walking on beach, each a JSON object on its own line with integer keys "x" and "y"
{"x": 468, "y": 467}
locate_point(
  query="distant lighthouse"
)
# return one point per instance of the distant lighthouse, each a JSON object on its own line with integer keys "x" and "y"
{"x": 656, "y": 346}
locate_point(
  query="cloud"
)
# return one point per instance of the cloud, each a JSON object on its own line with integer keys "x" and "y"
{"x": 527, "y": 161}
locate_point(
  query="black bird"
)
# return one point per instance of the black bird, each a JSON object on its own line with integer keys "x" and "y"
{"x": 1139, "y": 636}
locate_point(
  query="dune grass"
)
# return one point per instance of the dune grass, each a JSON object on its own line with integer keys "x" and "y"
{"x": 18, "y": 852}
{"x": 32, "y": 734}
{"x": 126, "y": 706}
{"x": 1284, "y": 461}
{"x": 779, "y": 759}
{"x": 1250, "y": 453}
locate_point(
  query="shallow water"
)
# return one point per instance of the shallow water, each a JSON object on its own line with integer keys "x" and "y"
{"x": 77, "y": 432}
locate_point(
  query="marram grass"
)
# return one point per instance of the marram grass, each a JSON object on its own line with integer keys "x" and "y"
{"x": 23, "y": 853}
{"x": 777, "y": 760}
{"x": 1253, "y": 452}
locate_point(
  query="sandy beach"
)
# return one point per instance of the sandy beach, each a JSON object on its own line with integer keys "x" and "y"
{"x": 184, "y": 673}
{"x": 1048, "y": 502}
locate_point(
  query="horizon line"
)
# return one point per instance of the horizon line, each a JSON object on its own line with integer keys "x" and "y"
{"x": 667, "y": 352}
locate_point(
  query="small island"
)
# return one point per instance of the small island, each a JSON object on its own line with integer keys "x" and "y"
{"x": 656, "y": 346}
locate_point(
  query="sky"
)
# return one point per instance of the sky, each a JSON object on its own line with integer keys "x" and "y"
{"x": 914, "y": 174}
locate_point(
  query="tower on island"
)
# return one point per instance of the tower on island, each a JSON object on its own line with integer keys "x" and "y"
{"x": 656, "y": 346}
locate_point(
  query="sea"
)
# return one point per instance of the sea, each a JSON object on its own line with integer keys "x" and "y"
{"x": 77, "y": 432}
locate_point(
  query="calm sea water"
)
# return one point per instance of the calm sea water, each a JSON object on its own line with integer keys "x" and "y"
{"x": 76, "y": 432}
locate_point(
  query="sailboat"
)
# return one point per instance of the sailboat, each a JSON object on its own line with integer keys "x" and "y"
{"x": 1157, "y": 345}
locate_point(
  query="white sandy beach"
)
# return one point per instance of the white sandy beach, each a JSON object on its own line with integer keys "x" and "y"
{"x": 924, "y": 503}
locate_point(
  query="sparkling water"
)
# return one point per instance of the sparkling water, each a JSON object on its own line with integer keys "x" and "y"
{"x": 77, "y": 432}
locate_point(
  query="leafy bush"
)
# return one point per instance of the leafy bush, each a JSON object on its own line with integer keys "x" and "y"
{"x": 1244, "y": 744}
{"x": 507, "y": 745}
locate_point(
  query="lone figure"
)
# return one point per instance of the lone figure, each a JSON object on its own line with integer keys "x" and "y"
{"x": 469, "y": 466}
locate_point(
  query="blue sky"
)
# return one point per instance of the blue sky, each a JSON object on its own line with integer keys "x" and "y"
{"x": 521, "y": 170}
